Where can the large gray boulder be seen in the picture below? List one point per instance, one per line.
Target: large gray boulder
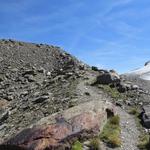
(106, 77)
(145, 116)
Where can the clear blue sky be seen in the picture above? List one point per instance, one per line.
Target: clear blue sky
(106, 33)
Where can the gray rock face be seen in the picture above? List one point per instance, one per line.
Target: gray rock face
(123, 87)
(106, 77)
(145, 116)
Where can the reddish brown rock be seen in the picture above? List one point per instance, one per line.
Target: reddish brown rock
(3, 103)
(42, 137)
(75, 123)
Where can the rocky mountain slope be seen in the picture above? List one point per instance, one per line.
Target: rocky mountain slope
(35, 81)
(50, 100)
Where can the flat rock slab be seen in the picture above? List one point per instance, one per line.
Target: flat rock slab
(60, 130)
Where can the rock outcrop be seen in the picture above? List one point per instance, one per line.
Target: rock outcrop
(60, 130)
(145, 116)
(107, 77)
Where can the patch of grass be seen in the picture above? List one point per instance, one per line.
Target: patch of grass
(115, 120)
(95, 144)
(113, 92)
(144, 142)
(77, 146)
(134, 111)
(92, 82)
(111, 132)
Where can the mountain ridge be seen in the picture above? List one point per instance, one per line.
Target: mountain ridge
(49, 99)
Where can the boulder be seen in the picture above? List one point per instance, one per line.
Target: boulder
(108, 78)
(94, 68)
(135, 87)
(40, 99)
(3, 115)
(145, 116)
(123, 87)
(60, 130)
(29, 72)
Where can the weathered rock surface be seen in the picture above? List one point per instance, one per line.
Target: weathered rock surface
(145, 116)
(60, 130)
(107, 77)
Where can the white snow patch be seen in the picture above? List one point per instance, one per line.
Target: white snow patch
(143, 73)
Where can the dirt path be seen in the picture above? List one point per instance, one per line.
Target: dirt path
(94, 93)
(129, 131)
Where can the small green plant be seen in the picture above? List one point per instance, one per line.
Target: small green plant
(92, 82)
(115, 120)
(111, 132)
(95, 144)
(77, 146)
(144, 142)
(134, 111)
(113, 92)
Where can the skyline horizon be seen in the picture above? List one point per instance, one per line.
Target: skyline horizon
(100, 67)
(108, 34)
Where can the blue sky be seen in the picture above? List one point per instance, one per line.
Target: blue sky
(106, 33)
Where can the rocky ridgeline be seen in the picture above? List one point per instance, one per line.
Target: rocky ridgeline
(33, 80)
